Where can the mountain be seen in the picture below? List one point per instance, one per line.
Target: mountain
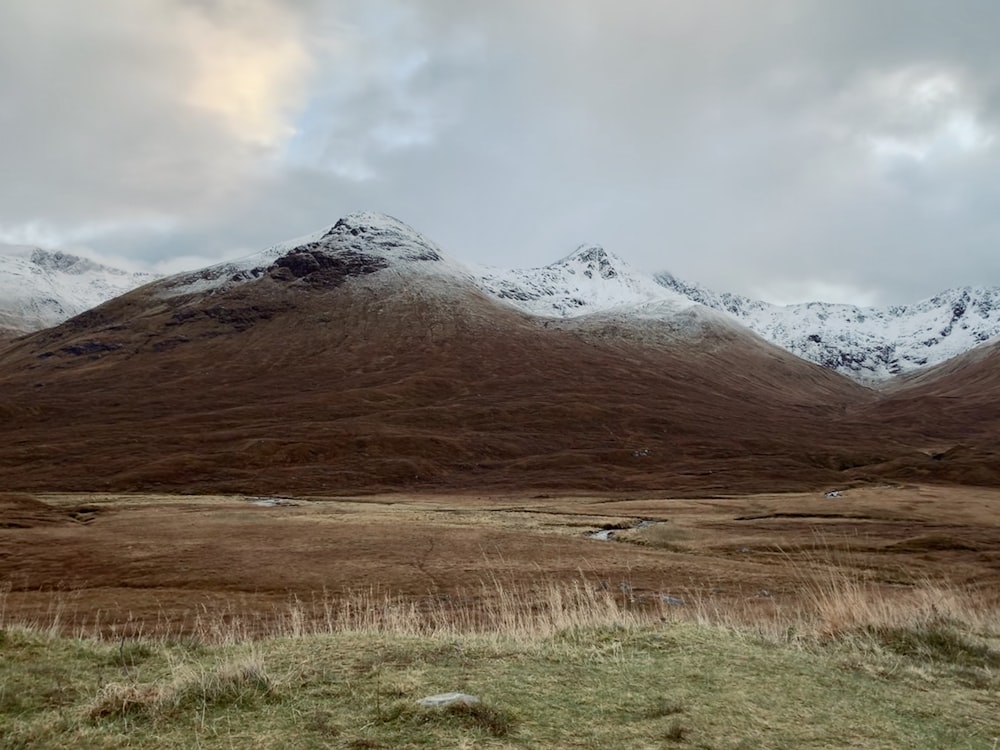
(586, 281)
(954, 407)
(362, 358)
(869, 344)
(41, 288)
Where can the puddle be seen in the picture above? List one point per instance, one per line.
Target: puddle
(606, 535)
(271, 502)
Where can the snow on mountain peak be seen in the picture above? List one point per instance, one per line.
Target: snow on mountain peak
(592, 261)
(41, 288)
(370, 232)
(66, 263)
(359, 244)
(869, 344)
(587, 281)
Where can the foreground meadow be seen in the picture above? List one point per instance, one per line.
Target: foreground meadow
(867, 618)
(578, 670)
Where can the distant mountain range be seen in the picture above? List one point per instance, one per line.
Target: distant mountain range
(869, 344)
(39, 289)
(42, 288)
(361, 357)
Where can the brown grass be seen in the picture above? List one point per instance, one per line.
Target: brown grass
(834, 609)
(144, 565)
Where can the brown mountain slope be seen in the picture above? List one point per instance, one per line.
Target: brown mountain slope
(335, 372)
(953, 412)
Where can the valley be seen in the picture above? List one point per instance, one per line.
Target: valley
(353, 411)
(349, 466)
(157, 564)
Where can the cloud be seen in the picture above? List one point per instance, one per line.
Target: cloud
(121, 110)
(782, 146)
(249, 68)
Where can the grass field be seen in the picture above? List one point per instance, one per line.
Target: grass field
(868, 620)
(591, 673)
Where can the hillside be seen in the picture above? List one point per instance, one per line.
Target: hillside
(361, 357)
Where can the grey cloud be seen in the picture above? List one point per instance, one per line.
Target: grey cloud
(90, 123)
(746, 146)
(98, 118)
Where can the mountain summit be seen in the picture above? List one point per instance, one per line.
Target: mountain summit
(359, 244)
(588, 280)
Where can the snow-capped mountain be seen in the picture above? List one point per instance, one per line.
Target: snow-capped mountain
(588, 280)
(362, 357)
(869, 344)
(41, 288)
(359, 244)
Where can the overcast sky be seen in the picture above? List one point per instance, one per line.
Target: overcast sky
(844, 150)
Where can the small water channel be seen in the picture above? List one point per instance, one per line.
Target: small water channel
(608, 533)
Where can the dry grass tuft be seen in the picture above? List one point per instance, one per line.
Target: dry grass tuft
(231, 683)
(122, 700)
(481, 716)
(831, 604)
(494, 608)
(676, 732)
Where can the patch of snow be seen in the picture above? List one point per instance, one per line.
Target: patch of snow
(606, 535)
(271, 502)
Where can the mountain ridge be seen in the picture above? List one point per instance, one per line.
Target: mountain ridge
(871, 345)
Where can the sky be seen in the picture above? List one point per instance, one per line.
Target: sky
(792, 150)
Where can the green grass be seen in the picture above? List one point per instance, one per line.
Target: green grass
(571, 666)
(639, 686)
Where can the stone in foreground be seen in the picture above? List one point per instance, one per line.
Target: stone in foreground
(447, 699)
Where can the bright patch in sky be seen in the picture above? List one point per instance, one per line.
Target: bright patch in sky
(252, 74)
(922, 115)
